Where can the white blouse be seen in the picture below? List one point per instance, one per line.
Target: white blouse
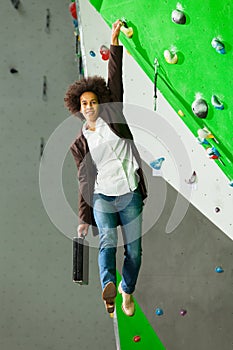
(114, 160)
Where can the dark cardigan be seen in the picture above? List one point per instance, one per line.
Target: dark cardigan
(112, 114)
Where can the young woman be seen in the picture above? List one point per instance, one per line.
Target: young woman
(111, 183)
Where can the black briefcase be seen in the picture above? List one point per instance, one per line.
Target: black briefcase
(80, 260)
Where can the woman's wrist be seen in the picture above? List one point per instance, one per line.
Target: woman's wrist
(115, 41)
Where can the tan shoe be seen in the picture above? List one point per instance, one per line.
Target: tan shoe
(109, 294)
(128, 303)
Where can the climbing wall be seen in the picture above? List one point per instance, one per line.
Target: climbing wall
(202, 70)
(184, 285)
(213, 198)
(41, 308)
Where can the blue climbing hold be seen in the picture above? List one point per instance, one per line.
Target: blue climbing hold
(75, 23)
(215, 151)
(92, 53)
(156, 164)
(231, 183)
(218, 45)
(212, 151)
(202, 141)
(216, 103)
(159, 312)
(219, 269)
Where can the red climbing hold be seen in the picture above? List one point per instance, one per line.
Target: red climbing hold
(137, 338)
(105, 52)
(72, 8)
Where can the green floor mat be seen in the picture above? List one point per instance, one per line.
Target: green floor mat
(137, 325)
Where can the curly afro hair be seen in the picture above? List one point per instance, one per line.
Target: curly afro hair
(94, 84)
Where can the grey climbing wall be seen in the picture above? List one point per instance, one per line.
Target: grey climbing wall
(178, 273)
(41, 308)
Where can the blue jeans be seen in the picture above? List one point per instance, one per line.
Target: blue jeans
(109, 212)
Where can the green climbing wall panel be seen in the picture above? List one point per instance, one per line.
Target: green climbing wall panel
(200, 68)
(138, 325)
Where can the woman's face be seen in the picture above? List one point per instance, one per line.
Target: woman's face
(89, 106)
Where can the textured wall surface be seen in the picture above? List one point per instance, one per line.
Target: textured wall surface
(41, 308)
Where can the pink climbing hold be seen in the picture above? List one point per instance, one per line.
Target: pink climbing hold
(183, 312)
